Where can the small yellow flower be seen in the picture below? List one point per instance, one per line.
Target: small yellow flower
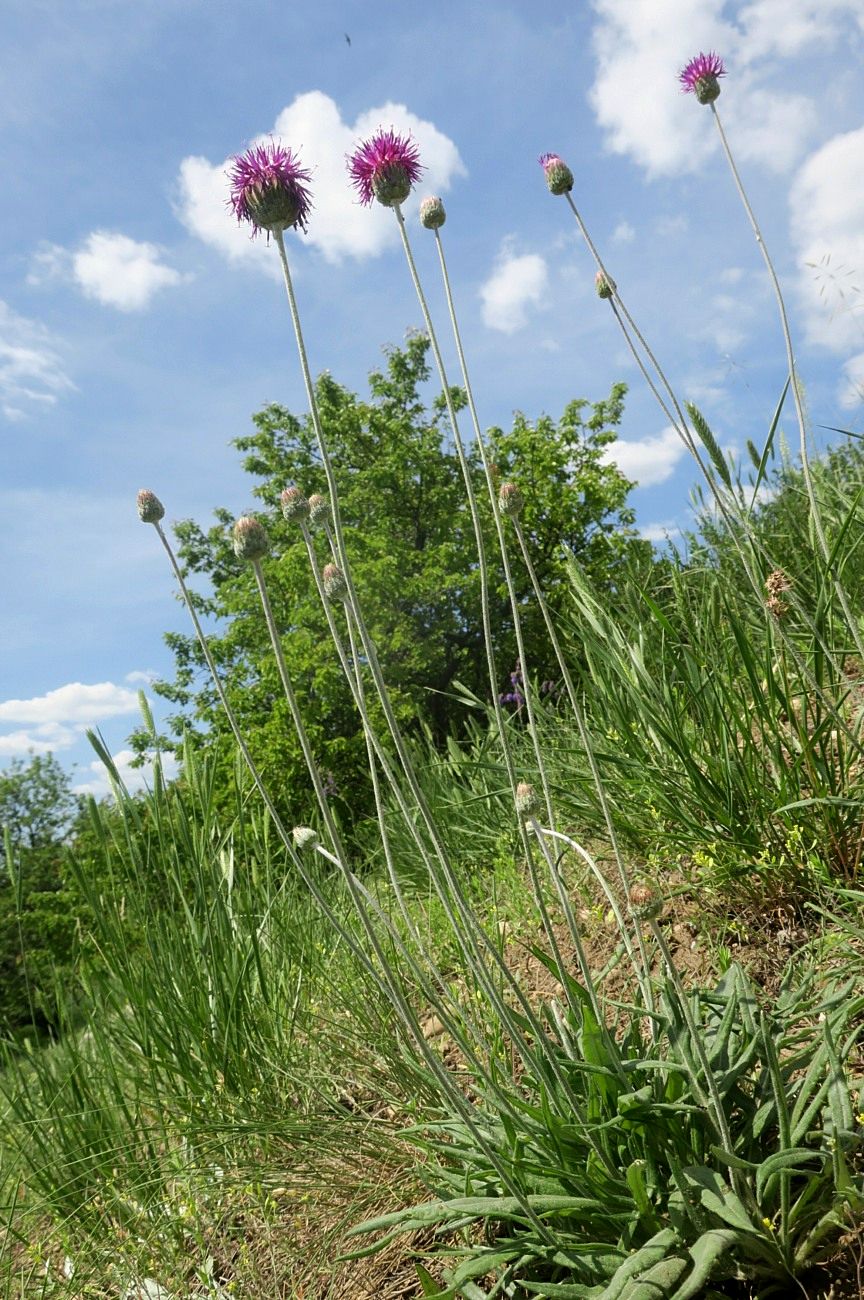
(766, 1223)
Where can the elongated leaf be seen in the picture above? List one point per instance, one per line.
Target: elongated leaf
(653, 1252)
(768, 449)
(705, 1252)
(656, 1282)
(796, 1158)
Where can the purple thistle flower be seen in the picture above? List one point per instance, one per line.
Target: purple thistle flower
(559, 177)
(385, 167)
(269, 188)
(699, 78)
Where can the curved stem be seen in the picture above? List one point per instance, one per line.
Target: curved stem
(815, 512)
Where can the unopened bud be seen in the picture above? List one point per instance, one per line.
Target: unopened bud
(295, 507)
(304, 838)
(150, 508)
(432, 214)
(558, 175)
(319, 510)
(644, 903)
(250, 539)
(333, 581)
(604, 286)
(527, 801)
(510, 500)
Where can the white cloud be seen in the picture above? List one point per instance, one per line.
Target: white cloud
(30, 368)
(659, 532)
(133, 778)
(826, 205)
(109, 267)
(74, 703)
(623, 233)
(312, 125)
(641, 46)
(143, 677)
(789, 27)
(851, 393)
(45, 739)
(121, 272)
(518, 282)
(647, 461)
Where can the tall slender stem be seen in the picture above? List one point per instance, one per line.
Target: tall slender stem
(296, 715)
(499, 529)
(815, 512)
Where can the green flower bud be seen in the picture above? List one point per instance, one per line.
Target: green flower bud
(250, 539)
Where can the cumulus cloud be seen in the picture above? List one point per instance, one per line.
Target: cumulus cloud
(108, 267)
(31, 373)
(45, 739)
(826, 207)
(74, 703)
(517, 283)
(133, 778)
(647, 461)
(312, 125)
(789, 27)
(641, 45)
(121, 272)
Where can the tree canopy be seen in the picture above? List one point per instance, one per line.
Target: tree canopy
(409, 535)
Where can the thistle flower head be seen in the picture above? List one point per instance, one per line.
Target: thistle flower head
(304, 838)
(699, 78)
(603, 285)
(269, 188)
(333, 581)
(385, 167)
(250, 539)
(558, 175)
(319, 510)
(150, 508)
(644, 903)
(527, 801)
(432, 214)
(295, 507)
(510, 500)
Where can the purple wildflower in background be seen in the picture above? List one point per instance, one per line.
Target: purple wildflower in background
(699, 78)
(385, 167)
(269, 188)
(514, 695)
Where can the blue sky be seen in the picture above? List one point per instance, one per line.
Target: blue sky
(140, 329)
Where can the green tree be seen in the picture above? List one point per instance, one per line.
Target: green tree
(414, 561)
(37, 923)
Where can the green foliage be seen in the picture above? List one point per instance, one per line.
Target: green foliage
(726, 1146)
(37, 923)
(409, 536)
